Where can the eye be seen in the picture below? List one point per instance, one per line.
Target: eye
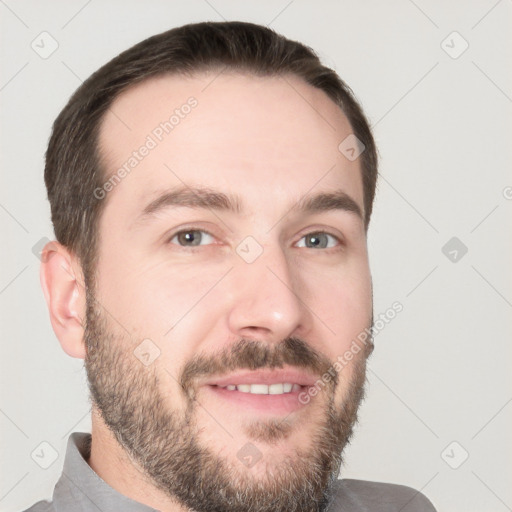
(191, 237)
(319, 240)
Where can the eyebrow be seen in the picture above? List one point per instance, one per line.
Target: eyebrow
(209, 199)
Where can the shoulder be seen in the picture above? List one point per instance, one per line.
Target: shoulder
(361, 495)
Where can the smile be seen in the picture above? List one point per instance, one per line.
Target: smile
(264, 389)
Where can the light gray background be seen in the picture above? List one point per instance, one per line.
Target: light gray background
(440, 372)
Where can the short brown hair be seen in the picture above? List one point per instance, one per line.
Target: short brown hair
(73, 169)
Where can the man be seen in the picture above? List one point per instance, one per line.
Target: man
(211, 190)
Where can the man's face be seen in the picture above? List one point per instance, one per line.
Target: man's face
(202, 317)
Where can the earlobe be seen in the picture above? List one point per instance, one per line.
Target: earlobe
(63, 288)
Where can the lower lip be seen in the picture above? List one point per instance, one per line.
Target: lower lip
(285, 403)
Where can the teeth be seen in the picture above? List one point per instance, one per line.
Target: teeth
(264, 389)
(259, 389)
(276, 389)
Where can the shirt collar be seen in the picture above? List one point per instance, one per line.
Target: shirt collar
(81, 489)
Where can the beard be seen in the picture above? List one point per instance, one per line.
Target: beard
(165, 444)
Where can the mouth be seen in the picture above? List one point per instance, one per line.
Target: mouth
(277, 388)
(275, 392)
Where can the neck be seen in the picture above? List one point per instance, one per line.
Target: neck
(114, 466)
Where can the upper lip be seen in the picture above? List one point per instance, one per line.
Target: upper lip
(291, 375)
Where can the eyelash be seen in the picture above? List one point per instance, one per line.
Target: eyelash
(193, 248)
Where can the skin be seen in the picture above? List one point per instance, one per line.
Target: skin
(271, 144)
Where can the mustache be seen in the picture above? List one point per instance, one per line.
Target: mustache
(255, 355)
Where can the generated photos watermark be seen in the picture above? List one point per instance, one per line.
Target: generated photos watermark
(153, 139)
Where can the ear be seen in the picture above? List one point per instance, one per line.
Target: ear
(64, 291)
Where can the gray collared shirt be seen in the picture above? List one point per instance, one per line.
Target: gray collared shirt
(80, 489)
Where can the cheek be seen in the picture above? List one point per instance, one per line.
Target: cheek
(172, 294)
(343, 304)
(147, 290)
(177, 307)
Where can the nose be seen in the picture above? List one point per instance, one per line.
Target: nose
(265, 300)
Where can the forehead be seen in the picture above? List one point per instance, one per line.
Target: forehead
(268, 139)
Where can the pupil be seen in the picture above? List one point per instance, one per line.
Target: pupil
(190, 237)
(315, 240)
